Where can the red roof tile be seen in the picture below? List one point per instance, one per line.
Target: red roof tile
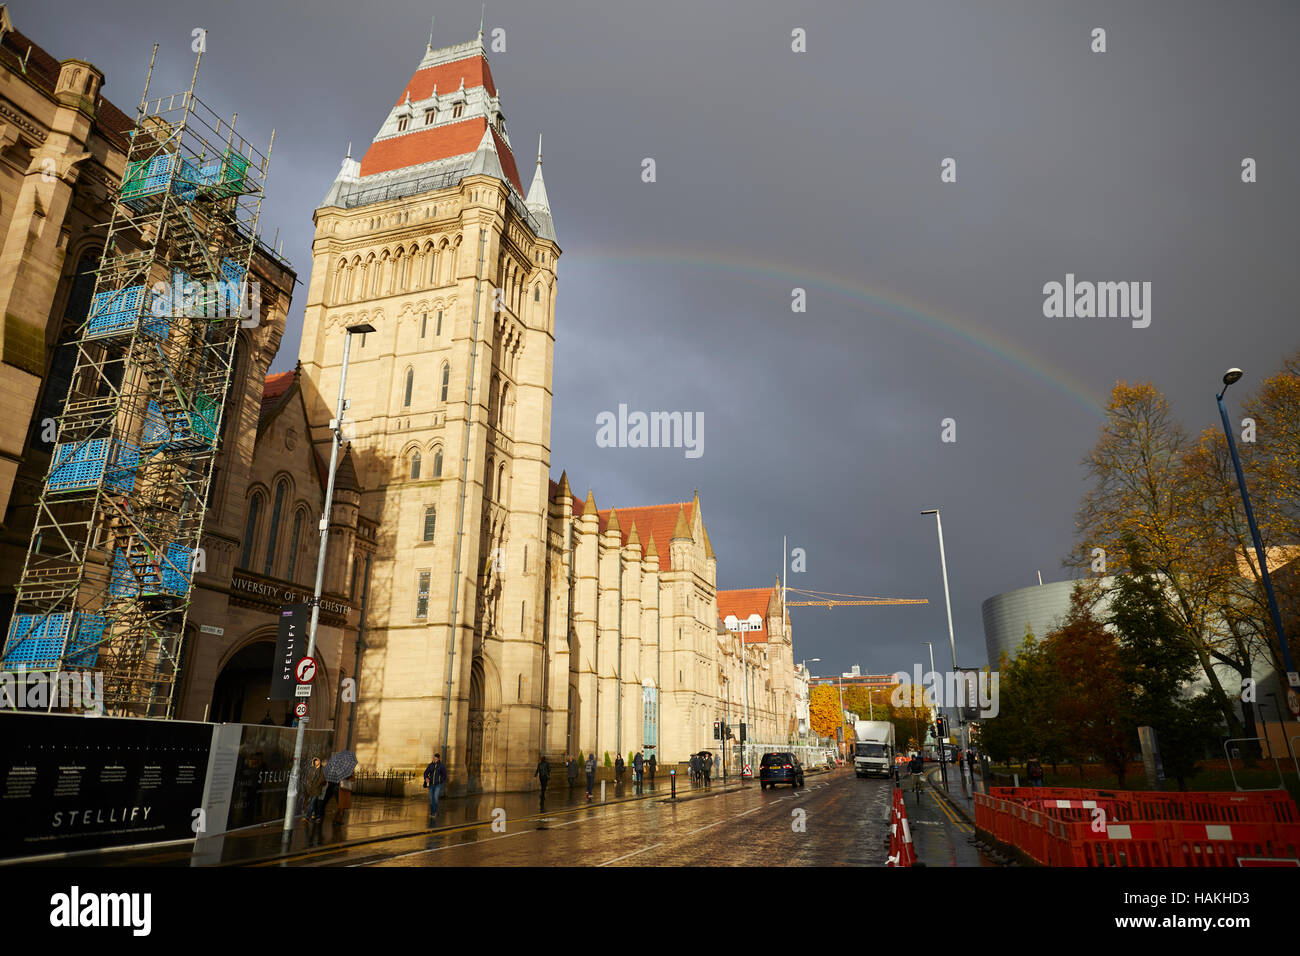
(430, 145)
(653, 521)
(447, 77)
(273, 389)
(743, 603)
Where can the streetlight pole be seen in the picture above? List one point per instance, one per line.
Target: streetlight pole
(1229, 377)
(943, 764)
(844, 737)
(947, 601)
(336, 431)
(804, 666)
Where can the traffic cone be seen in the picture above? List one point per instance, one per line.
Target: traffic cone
(901, 851)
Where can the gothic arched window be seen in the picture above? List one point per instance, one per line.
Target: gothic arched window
(410, 386)
(415, 465)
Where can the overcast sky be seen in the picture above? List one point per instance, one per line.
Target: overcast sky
(821, 170)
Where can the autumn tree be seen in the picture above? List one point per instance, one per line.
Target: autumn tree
(824, 710)
(1147, 507)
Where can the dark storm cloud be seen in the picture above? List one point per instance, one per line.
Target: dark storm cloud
(821, 170)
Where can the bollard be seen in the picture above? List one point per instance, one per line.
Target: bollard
(602, 791)
(672, 780)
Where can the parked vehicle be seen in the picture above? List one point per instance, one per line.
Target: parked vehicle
(874, 750)
(780, 767)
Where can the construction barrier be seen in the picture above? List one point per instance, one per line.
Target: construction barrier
(1115, 828)
(901, 851)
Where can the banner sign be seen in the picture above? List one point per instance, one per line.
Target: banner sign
(260, 782)
(78, 783)
(290, 645)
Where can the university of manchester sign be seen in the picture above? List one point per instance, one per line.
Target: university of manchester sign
(272, 593)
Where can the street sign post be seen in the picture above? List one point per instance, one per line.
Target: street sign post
(300, 709)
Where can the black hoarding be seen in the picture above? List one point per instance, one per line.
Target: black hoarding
(290, 647)
(77, 783)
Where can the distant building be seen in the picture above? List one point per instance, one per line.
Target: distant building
(1040, 608)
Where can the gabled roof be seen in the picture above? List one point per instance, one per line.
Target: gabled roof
(745, 602)
(274, 388)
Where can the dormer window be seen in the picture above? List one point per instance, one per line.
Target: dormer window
(401, 123)
(429, 116)
(457, 109)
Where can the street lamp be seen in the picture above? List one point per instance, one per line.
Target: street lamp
(952, 641)
(336, 431)
(943, 762)
(1229, 377)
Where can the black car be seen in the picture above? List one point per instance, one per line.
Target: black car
(780, 768)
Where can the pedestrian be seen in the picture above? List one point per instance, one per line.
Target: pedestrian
(970, 762)
(618, 770)
(543, 775)
(571, 769)
(591, 774)
(345, 799)
(653, 765)
(708, 770)
(695, 770)
(435, 777)
(313, 790)
(1034, 770)
(638, 767)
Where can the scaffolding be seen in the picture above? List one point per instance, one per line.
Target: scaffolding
(107, 581)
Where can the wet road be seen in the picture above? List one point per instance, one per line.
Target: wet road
(836, 820)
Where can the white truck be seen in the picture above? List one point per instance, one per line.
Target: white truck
(873, 751)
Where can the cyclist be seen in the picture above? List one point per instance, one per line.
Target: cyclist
(917, 768)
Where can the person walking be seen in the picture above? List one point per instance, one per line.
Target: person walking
(571, 769)
(591, 774)
(618, 770)
(435, 777)
(313, 790)
(638, 768)
(1034, 770)
(708, 770)
(695, 770)
(652, 765)
(543, 775)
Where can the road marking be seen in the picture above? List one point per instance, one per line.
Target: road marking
(709, 826)
(633, 853)
(748, 812)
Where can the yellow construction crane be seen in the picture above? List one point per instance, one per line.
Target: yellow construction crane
(828, 599)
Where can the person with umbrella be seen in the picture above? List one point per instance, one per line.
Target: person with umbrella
(435, 777)
(340, 767)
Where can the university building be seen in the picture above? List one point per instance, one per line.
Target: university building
(504, 616)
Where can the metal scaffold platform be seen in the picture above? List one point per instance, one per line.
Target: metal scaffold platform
(108, 577)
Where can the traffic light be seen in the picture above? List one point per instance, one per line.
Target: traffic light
(742, 731)
(941, 727)
(717, 730)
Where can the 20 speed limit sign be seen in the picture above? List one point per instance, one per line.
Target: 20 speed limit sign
(300, 710)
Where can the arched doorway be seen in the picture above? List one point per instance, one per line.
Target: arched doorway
(474, 740)
(240, 692)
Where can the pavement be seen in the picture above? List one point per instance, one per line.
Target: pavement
(374, 820)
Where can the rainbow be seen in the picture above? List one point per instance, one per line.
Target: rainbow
(949, 326)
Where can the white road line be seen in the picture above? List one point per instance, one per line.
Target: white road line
(633, 853)
(698, 829)
(748, 812)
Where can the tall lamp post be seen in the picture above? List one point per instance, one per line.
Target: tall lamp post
(947, 601)
(943, 763)
(336, 431)
(1229, 377)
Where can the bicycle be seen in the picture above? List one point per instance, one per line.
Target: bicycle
(917, 785)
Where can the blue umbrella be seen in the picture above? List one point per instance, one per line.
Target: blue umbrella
(340, 766)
